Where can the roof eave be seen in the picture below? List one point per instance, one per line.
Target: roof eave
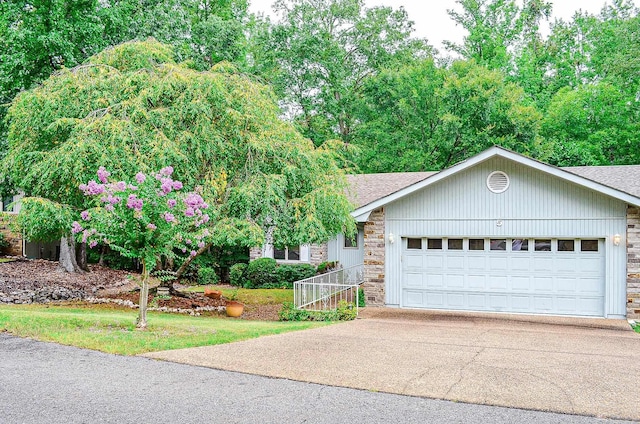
(496, 151)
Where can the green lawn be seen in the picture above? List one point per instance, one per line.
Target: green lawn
(636, 328)
(3, 260)
(251, 296)
(113, 331)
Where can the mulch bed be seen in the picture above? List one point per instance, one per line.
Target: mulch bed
(104, 282)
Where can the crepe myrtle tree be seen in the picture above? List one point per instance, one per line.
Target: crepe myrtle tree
(143, 219)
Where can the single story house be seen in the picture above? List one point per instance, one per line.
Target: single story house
(498, 232)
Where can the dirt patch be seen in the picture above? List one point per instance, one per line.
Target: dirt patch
(102, 282)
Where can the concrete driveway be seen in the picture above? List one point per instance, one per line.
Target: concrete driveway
(562, 365)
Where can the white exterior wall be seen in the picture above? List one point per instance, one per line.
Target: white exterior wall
(535, 205)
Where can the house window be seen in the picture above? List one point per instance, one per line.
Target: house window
(414, 243)
(351, 242)
(294, 253)
(6, 201)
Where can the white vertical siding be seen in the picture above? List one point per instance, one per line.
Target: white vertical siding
(535, 205)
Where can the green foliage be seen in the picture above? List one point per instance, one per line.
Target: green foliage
(43, 220)
(207, 275)
(344, 312)
(261, 273)
(218, 128)
(237, 274)
(319, 53)
(421, 117)
(361, 298)
(287, 274)
(3, 242)
(328, 266)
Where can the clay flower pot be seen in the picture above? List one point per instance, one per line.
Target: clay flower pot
(234, 309)
(213, 294)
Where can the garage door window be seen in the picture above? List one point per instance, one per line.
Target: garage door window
(520, 245)
(498, 244)
(434, 244)
(454, 244)
(476, 244)
(589, 245)
(414, 243)
(542, 245)
(566, 245)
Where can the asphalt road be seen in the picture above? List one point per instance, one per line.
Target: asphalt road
(50, 383)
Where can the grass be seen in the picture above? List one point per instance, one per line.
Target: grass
(636, 328)
(113, 331)
(251, 296)
(3, 260)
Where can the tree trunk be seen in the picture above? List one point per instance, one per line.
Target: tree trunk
(81, 257)
(68, 254)
(190, 259)
(103, 250)
(141, 323)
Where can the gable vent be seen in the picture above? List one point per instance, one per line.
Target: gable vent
(498, 182)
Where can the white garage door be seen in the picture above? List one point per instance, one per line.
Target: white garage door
(536, 276)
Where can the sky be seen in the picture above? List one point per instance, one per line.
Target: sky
(432, 22)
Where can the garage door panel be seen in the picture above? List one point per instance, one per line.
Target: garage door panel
(455, 262)
(413, 261)
(435, 281)
(435, 262)
(477, 263)
(545, 282)
(455, 281)
(413, 280)
(499, 283)
(520, 263)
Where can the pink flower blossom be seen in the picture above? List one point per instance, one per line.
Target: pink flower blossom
(171, 203)
(169, 217)
(76, 227)
(187, 241)
(188, 212)
(93, 188)
(193, 253)
(151, 226)
(109, 207)
(177, 185)
(120, 186)
(103, 174)
(84, 215)
(201, 245)
(134, 203)
(140, 177)
(93, 244)
(166, 186)
(167, 170)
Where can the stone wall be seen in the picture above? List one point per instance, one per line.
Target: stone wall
(318, 253)
(374, 258)
(14, 240)
(633, 262)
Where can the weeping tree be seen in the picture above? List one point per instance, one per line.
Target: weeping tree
(133, 109)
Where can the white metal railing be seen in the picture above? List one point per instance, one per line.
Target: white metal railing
(323, 292)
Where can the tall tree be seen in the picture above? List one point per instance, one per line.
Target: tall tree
(132, 108)
(422, 117)
(320, 53)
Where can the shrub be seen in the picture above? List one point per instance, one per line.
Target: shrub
(345, 312)
(207, 275)
(361, 298)
(288, 274)
(324, 267)
(237, 274)
(261, 272)
(3, 241)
